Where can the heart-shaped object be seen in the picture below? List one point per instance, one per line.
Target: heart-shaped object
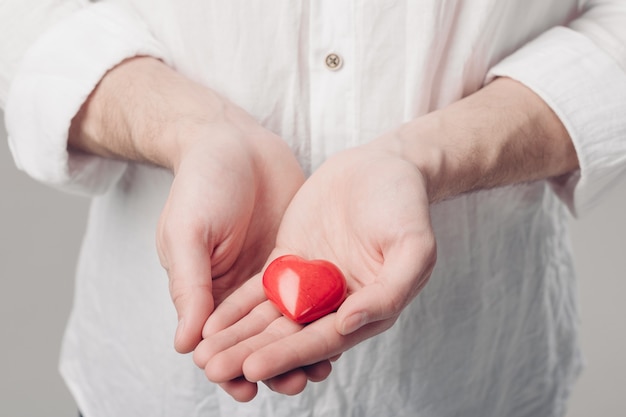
(304, 290)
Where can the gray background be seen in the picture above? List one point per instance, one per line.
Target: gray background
(41, 230)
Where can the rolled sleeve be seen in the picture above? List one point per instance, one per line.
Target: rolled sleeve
(586, 87)
(54, 79)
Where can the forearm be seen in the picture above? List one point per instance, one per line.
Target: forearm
(144, 111)
(502, 134)
(125, 115)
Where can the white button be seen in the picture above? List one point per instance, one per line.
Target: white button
(333, 61)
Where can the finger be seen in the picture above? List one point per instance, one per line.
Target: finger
(228, 364)
(405, 271)
(240, 389)
(251, 325)
(290, 383)
(236, 306)
(240, 302)
(294, 382)
(184, 252)
(314, 343)
(318, 371)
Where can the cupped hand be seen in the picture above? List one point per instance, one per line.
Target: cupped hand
(367, 210)
(232, 184)
(232, 181)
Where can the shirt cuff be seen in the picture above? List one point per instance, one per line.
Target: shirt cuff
(55, 78)
(586, 88)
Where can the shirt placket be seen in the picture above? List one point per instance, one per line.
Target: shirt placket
(331, 63)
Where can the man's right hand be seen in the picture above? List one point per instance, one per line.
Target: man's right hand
(233, 179)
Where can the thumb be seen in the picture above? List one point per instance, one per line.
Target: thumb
(194, 303)
(190, 284)
(400, 279)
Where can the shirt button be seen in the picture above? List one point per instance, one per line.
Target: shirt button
(333, 62)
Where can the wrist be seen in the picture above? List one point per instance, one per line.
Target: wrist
(144, 111)
(501, 135)
(418, 142)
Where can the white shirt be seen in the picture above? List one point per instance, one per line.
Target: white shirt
(494, 333)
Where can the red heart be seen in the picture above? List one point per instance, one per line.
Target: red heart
(304, 290)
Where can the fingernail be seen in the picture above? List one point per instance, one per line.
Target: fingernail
(353, 323)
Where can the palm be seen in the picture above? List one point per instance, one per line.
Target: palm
(366, 211)
(352, 211)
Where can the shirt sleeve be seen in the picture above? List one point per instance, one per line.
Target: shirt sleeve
(53, 79)
(21, 22)
(580, 72)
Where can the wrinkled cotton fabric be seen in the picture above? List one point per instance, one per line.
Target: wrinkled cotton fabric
(494, 333)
